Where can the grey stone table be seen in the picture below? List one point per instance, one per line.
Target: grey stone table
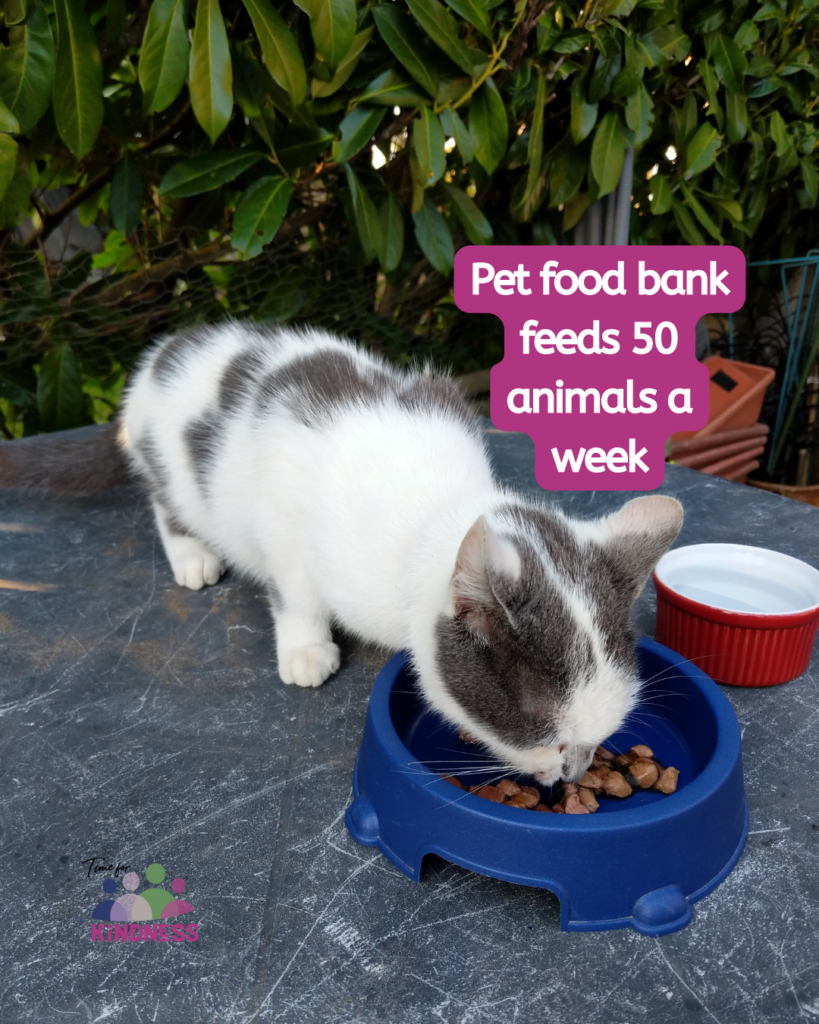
(143, 723)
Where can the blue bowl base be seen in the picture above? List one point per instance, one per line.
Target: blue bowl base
(656, 913)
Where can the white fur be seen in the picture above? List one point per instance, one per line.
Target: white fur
(357, 522)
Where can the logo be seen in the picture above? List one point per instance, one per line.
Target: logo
(155, 905)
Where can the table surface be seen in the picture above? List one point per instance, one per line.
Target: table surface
(145, 723)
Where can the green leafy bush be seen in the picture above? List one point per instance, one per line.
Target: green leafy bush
(324, 160)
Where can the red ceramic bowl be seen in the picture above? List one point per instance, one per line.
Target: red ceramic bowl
(745, 616)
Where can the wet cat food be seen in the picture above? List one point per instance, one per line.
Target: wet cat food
(610, 775)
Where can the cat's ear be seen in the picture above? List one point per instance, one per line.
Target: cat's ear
(483, 553)
(639, 534)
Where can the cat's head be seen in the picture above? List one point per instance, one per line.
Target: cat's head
(536, 658)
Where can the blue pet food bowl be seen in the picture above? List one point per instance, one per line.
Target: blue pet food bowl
(640, 862)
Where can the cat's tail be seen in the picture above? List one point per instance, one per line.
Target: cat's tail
(87, 460)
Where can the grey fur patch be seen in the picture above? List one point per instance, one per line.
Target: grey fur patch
(312, 386)
(316, 386)
(517, 677)
(176, 350)
(202, 441)
(175, 525)
(428, 393)
(152, 472)
(240, 374)
(610, 577)
(274, 597)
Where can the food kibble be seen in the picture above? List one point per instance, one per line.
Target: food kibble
(610, 775)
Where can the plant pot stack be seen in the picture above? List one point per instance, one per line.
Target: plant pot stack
(732, 441)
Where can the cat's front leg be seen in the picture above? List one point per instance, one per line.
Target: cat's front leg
(192, 563)
(304, 646)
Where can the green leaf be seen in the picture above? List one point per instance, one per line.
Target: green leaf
(418, 183)
(811, 179)
(115, 19)
(345, 68)
(628, 80)
(584, 114)
(126, 196)
(477, 227)
(567, 173)
(488, 127)
(27, 68)
(259, 214)
(729, 61)
(392, 234)
(606, 69)
(672, 42)
(525, 202)
(442, 29)
(548, 32)
(357, 128)
(433, 237)
(332, 23)
(666, 43)
(475, 13)
(770, 12)
(59, 389)
(407, 44)
(428, 140)
(455, 129)
(661, 197)
(607, 154)
(367, 221)
(685, 222)
(16, 202)
(761, 67)
(8, 122)
(211, 70)
(572, 41)
(709, 19)
(700, 213)
(8, 162)
(728, 206)
(16, 393)
(535, 149)
(763, 87)
(746, 35)
(251, 88)
(282, 56)
(779, 134)
(163, 61)
(640, 115)
(298, 146)
(77, 92)
(684, 120)
(736, 116)
(394, 89)
(15, 12)
(574, 209)
(702, 150)
(206, 172)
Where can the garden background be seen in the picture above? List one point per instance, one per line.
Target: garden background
(171, 163)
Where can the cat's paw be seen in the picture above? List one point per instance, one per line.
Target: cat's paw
(193, 564)
(310, 665)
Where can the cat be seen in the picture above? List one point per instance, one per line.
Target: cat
(361, 495)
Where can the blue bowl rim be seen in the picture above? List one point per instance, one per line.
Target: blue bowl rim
(694, 793)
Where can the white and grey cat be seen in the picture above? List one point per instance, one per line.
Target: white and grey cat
(362, 495)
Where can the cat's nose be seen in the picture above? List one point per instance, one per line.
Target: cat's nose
(576, 763)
